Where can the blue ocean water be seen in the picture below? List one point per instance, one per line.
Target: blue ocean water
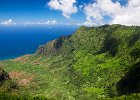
(16, 41)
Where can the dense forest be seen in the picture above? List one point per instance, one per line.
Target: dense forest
(95, 63)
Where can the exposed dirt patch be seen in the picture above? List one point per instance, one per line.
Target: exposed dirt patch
(16, 75)
(22, 58)
(22, 78)
(26, 81)
(18, 59)
(36, 62)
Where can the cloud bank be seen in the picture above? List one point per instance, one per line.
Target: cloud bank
(49, 22)
(67, 7)
(118, 14)
(8, 22)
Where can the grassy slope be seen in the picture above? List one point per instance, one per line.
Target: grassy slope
(99, 62)
(44, 83)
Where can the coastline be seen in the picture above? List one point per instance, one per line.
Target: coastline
(14, 57)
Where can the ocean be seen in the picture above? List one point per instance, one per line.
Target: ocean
(16, 41)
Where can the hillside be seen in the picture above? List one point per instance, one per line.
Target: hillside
(94, 63)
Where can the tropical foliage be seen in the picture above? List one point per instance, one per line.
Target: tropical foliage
(93, 63)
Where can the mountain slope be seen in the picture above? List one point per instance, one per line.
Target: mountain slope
(98, 62)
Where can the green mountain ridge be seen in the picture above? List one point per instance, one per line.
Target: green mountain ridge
(94, 63)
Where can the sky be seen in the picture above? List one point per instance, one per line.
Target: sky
(69, 12)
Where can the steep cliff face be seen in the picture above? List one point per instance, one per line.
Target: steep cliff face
(52, 47)
(107, 38)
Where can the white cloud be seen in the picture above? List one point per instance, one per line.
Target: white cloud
(8, 22)
(49, 22)
(67, 7)
(126, 15)
(93, 14)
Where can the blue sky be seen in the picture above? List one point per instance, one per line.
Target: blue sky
(32, 10)
(88, 12)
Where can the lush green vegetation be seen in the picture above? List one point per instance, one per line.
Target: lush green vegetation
(94, 63)
(7, 96)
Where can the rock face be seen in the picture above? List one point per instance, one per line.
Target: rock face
(52, 47)
(41, 50)
(3, 76)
